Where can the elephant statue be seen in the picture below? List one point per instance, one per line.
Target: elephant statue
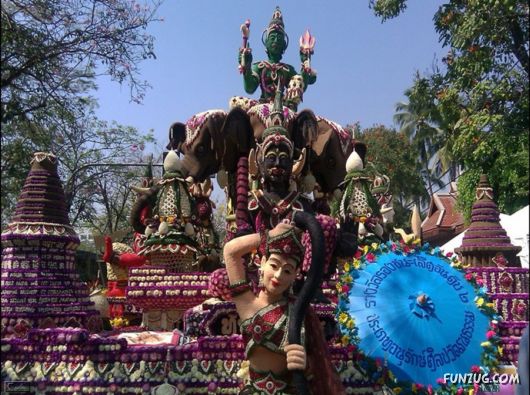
(216, 139)
(329, 153)
(328, 143)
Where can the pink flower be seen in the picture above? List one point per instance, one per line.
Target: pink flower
(460, 391)
(357, 254)
(370, 257)
(345, 289)
(429, 389)
(490, 334)
(469, 276)
(475, 369)
(440, 381)
(449, 254)
(419, 386)
(480, 281)
(393, 247)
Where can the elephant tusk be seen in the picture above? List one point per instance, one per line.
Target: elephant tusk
(140, 189)
(252, 164)
(299, 164)
(207, 184)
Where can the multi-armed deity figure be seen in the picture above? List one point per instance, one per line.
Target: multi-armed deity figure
(272, 75)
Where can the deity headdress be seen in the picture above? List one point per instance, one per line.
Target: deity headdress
(287, 243)
(275, 133)
(275, 25)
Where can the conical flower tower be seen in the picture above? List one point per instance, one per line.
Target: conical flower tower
(40, 285)
(486, 238)
(490, 256)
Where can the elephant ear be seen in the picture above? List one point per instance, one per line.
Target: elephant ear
(238, 137)
(360, 148)
(304, 129)
(177, 135)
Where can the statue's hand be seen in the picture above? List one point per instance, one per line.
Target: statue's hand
(246, 55)
(304, 56)
(306, 68)
(296, 357)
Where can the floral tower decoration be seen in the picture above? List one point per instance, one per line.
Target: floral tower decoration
(485, 238)
(40, 285)
(490, 258)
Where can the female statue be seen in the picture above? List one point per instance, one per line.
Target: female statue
(269, 319)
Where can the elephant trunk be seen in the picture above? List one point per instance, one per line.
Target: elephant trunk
(242, 217)
(313, 281)
(143, 200)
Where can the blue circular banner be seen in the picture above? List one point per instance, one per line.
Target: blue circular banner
(419, 314)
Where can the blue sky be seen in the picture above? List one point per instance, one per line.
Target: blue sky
(363, 66)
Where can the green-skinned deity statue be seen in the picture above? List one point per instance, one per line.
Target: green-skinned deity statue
(272, 74)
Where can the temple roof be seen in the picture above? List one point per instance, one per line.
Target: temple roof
(443, 220)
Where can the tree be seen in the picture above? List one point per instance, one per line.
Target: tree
(51, 51)
(219, 219)
(482, 93)
(418, 120)
(49, 46)
(80, 145)
(391, 153)
(114, 198)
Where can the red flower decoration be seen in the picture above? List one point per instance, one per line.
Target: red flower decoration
(370, 257)
(490, 334)
(469, 276)
(475, 369)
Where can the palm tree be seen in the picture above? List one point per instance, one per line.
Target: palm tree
(421, 122)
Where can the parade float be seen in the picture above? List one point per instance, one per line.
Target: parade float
(374, 297)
